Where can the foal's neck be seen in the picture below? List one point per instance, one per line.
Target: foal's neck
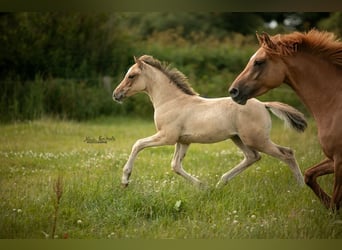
(161, 90)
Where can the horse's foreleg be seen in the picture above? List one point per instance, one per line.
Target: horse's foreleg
(337, 192)
(311, 174)
(176, 164)
(152, 141)
(251, 156)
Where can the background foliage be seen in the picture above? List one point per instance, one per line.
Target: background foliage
(58, 64)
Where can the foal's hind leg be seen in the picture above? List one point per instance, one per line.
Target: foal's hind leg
(286, 155)
(251, 156)
(176, 164)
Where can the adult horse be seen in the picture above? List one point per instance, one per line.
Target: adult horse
(182, 117)
(310, 63)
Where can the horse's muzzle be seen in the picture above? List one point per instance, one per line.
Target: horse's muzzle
(237, 97)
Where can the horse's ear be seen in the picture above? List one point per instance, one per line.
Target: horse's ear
(260, 38)
(267, 40)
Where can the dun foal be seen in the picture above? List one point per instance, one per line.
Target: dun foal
(182, 117)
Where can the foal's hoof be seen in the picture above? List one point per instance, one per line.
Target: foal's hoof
(220, 184)
(124, 185)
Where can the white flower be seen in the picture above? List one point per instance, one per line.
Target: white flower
(235, 222)
(79, 222)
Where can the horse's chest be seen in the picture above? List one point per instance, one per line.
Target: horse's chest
(330, 136)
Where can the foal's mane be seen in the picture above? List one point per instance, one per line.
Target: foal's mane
(176, 77)
(322, 44)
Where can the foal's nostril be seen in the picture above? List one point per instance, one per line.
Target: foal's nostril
(118, 96)
(234, 92)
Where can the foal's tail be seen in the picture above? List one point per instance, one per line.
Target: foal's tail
(288, 114)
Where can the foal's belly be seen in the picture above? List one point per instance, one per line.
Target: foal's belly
(205, 136)
(187, 139)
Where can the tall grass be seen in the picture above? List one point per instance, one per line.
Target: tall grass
(262, 202)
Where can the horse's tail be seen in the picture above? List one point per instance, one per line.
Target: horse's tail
(288, 114)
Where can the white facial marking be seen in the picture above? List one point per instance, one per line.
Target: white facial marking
(129, 71)
(254, 55)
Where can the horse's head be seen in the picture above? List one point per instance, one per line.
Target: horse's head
(264, 71)
(132, 83)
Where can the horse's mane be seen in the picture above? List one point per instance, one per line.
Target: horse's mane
(176, 77)
(322, 44)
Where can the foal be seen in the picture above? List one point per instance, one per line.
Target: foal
(182, 117)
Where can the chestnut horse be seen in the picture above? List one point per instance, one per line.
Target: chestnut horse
(182, 117)
(310, 63)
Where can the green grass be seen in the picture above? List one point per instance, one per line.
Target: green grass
(262, 202)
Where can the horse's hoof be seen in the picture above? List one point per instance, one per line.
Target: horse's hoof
(124, 185)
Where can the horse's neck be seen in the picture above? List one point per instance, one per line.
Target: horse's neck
(316, 82)
(161, 90)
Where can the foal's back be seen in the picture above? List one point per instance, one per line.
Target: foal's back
(208, 120)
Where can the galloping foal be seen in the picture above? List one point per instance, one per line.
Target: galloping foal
(182, 117)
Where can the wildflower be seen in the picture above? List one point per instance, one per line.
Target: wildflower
(79, 222)
(253, 216)
(177, 205)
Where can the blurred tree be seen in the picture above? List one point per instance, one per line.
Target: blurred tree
(332, 23)
(64, 45)
(210, 23)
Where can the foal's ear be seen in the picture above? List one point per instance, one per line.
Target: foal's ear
(139, 62)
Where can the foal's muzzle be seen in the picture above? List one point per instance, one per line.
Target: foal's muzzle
(118, 97)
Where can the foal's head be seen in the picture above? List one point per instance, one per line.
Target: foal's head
(264, 71)
(132, 83)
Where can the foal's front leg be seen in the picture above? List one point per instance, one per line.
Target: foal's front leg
(152, 141)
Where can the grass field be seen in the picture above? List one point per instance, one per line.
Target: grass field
(55, 183)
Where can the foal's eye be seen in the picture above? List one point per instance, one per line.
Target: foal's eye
(259, 62)
(131, 76)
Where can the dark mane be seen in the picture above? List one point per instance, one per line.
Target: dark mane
(322, 44)
(176, 77)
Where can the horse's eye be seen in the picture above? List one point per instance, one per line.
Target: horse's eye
(131, 76)
(259, 62)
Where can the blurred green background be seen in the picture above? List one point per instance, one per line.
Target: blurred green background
(66, 64)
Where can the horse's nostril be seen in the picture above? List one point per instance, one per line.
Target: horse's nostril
(234, 92)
